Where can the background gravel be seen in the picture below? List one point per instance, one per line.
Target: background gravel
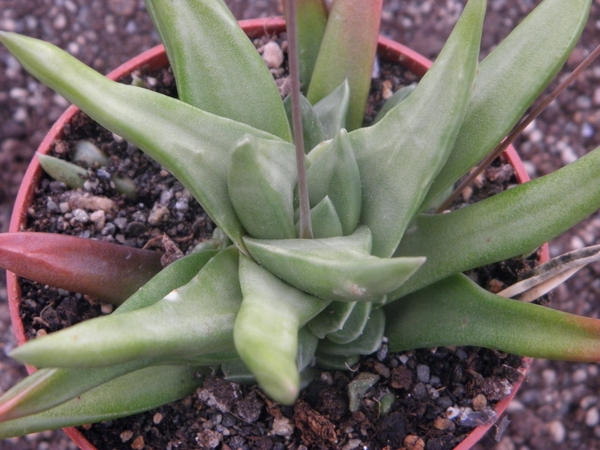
(558, 407)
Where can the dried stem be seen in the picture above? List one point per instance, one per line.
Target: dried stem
(305, 223)
(518, 129)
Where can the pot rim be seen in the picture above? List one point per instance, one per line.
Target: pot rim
(156, 58)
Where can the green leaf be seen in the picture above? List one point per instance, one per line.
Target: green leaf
(333, 109)
(266, 329)
(192, 144)
(368, 342)
(394, 100)
(508, 224)
(68, 173)
(48, 387)
(334, 173)
(354, 326)
(347, 52)
(332, 318)
(334, 362)
(312, 130)
(311, 23)
(399, 157)
(337, 269)
(325, 221)
(455, 311)
(120, 397)
(205, 308)
(216, 67)
(510, 79)
(307, 346)
(261, 180)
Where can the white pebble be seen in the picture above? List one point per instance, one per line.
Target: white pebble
(579, 376)
(272, 55)
(592, 417)
(80, 216)
(557, 431)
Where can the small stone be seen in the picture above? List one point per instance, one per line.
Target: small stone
(557, 431)
(592, 417)
(158, 214)
(108, 230)
(579, 376)
(138, 443)
(443, 424)
(423, 373)
(412, 442)
(352, 444)
(99, 219)
(106, 308)
(272, 55)
(282, 427)
(126, 435)
(479, 402)
(80, 216)
(157, 418)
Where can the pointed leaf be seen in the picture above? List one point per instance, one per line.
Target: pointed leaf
(399, 157)
(508, 224)
(456, 311)
(368, 342)
(221, 73)
(121, 397)
(354, 326)
(332, 318)
(510, 79)
(347, 52)
(192, 144)
(68, 173)
(205, 308)
(266, 329)
(261, 180)
(109, 272)
(325, 221)
(311, 23)
(307, 346)
(335, 269)
(312, 130)
(335, 174)
(333, 109)
(551, 274)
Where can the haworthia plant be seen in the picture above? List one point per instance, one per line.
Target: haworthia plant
(264, 303)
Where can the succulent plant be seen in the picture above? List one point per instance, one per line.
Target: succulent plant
(332, 245)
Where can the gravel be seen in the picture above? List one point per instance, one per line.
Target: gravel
(558, 406)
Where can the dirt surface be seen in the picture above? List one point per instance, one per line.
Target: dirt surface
(558, 407)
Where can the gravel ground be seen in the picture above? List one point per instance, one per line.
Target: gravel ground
(558, 407)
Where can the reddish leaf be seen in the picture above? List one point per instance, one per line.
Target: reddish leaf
(109, 272)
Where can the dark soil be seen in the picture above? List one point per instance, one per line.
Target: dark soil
(558, 407)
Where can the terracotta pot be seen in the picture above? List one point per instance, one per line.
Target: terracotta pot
(156, 58)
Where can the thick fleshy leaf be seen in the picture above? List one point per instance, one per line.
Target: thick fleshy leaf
(333, 109)
(394, 100)
(336, 362)
(325, 221)
(307, 346)
(399, 157)
(508, 224)
(266, 329)
(48, 387)
(335, 174)
(216, 67)
(68, 173)
(510, 79)
(354, 326)
(347, 52)
(312, 131)
(109, 272)
(261, 180)
(455, 311)
(205, 308)
(337, 269)
(311, 22)
(130, 394)
(192, 144)
(368, 342)
(331, 319)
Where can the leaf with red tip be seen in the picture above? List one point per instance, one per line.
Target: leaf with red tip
(109, 272)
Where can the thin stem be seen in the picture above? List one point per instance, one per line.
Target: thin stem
(305, 223)
(518, 129)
